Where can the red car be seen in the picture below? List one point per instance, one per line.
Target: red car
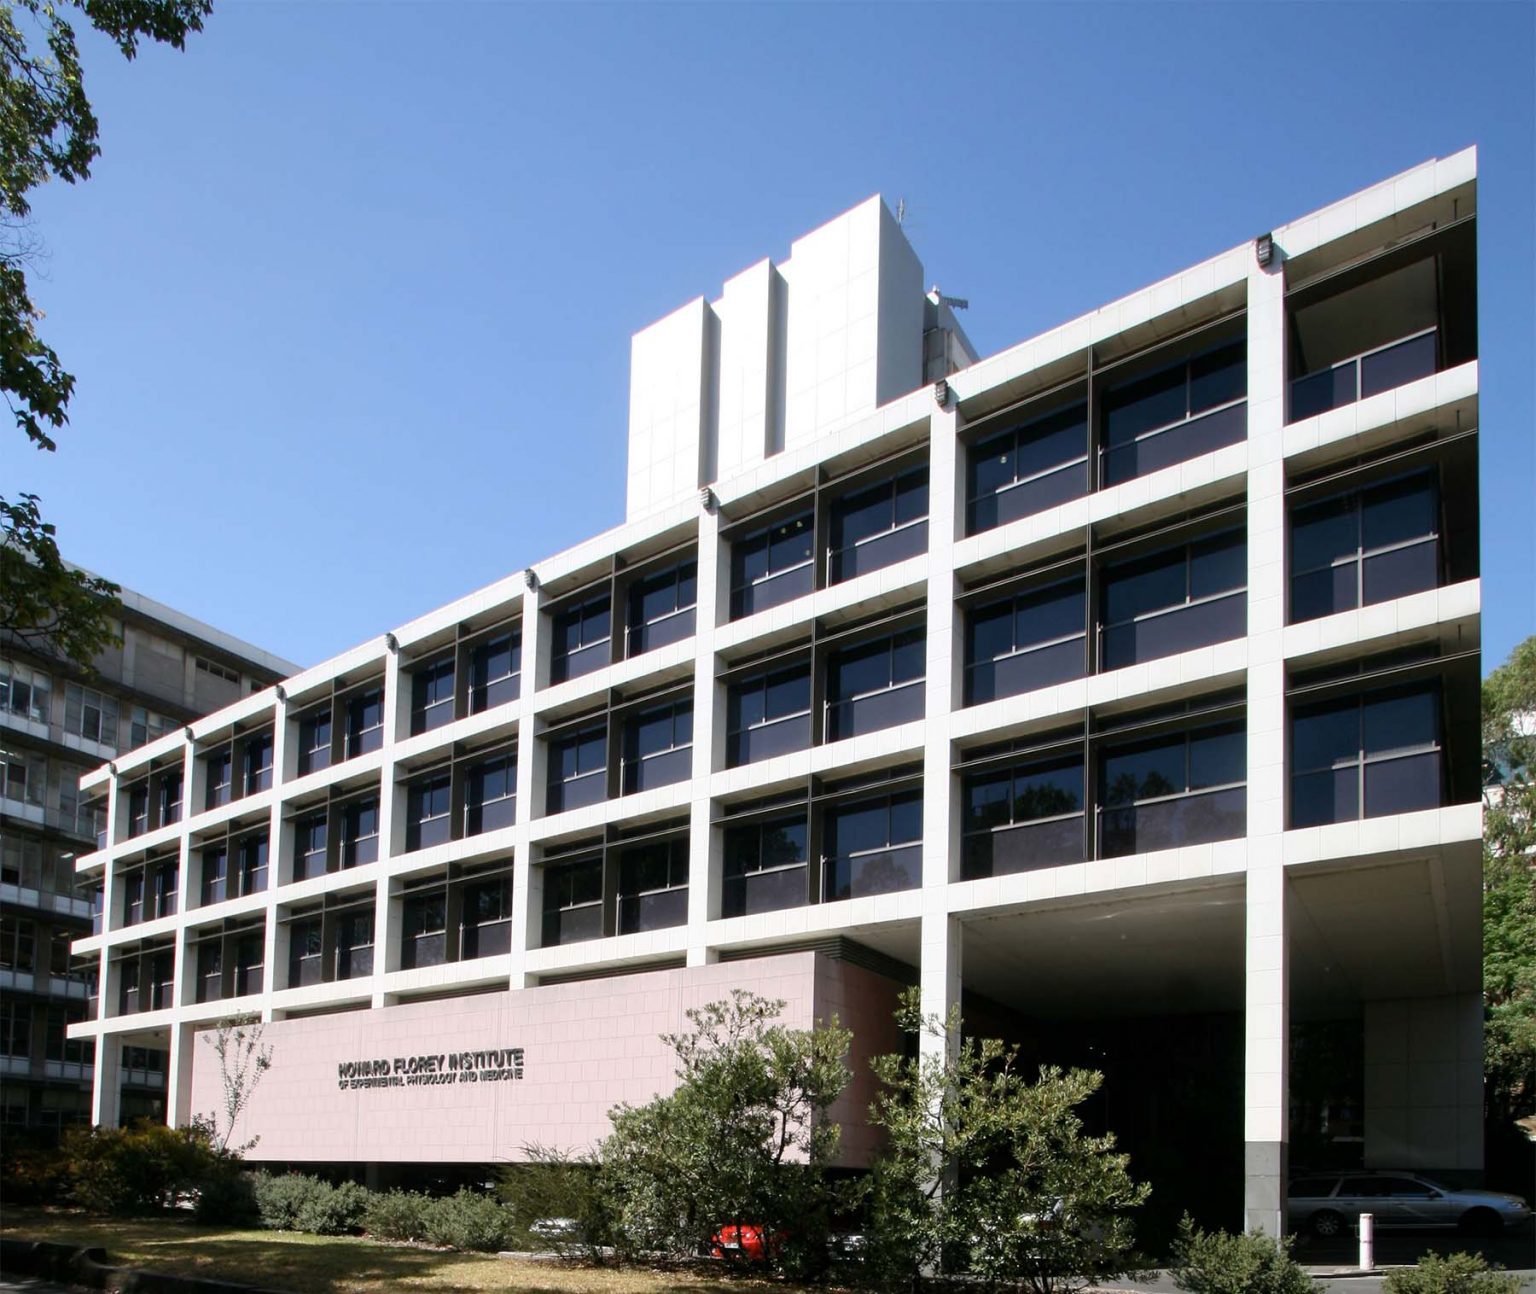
(747, 1242)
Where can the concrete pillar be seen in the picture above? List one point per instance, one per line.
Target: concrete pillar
(940, 820)
(279, 844)
(708, 734)
(385, 935)
(106, 1081)
(1266, 1130)
(178, 1077)
(530, 794)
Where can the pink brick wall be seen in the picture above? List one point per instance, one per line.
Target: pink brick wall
(587, 1046)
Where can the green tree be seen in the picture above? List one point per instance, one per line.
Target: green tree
(987, 1170)
(48, 131)
(243, 1059)
(743, 1139)
(1509, 884)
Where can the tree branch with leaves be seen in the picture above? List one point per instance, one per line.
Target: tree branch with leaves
(49, 131)
(243, 1059)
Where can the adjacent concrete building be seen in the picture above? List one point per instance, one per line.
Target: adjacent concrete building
(1121, 686)
(57, 723)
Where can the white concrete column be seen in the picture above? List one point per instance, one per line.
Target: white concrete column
(940, 835)
(1266, 1130)
(178, 1075)
(108, 892)
(277, 847)
(385, 933)
(106, 1081)
(703, 853)
(530, 778)
(939, 969)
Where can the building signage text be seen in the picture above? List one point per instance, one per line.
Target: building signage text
(499, 1065)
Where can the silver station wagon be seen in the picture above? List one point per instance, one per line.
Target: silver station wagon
(1328, 1203)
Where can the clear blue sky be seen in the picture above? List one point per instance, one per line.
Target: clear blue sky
(349, 295)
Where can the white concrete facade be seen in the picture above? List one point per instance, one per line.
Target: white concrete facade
(797, 379)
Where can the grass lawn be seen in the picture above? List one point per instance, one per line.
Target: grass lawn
(304, 1264)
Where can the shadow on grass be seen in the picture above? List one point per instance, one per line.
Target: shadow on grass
(305, 1264)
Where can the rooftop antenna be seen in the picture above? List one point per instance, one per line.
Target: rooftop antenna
(901, 211)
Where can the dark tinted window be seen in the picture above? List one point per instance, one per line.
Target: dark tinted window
(1370, 755)
(658, 746)
(432, 695)
(1025, 469)
(874, 846)
(653, 886)
(1029, 640)
(578, 769)
(772, 565)
(494, 670)
(429, 809)
(1368, 546)
(768, 714)
(875, 684)
(490, 794)
(660, 608)
(764, 866)
(1177, 789)
(1174, 600)
(315, 740)
(581, 637)
(878, 524)
(573, 902)
(365, 722)
(1158, 419)
(1023, 817)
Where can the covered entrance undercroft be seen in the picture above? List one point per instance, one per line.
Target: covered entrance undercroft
(1384, 1053)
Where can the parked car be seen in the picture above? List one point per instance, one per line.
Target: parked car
(748, 1242)
(555, 1230)
(1327, 1203)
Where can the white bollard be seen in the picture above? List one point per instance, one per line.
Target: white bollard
(1367, 1242)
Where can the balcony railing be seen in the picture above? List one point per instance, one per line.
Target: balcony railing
(1174, 629)
(780, 736)
(1175, 443)
(1044, 842)
(1191, 819)
(768, 890)
(573, 925)
(876, 871)
(885, 708)
(656, 910)
(1368, 373)
(876, 551)
(1035, 666)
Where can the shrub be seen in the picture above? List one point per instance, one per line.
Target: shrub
(1453, 1274)
(136, 1169)
(279, 1197)
(1217, 1263)
(226, 1198)
(559, 1188)
(32, 1171)
(468, 1220)
(332, 1210)
(397, 1215)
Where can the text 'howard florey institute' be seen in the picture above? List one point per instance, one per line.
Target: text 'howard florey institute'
(497, 1065)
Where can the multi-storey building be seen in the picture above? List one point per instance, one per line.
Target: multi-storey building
(58, 723)
(1122, 684)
